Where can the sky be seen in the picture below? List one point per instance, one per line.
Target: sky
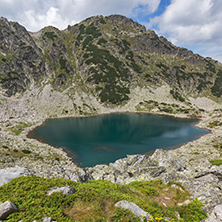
(193, 24)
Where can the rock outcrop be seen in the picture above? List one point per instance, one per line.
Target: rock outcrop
(216, 215)
(46, 219)
(66, 190)
(9, 173)
(6, 209)
(134, 209)
(194, 171)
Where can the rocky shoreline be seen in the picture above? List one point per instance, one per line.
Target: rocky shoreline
(188, 164)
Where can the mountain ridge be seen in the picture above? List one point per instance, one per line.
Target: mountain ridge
(106, 57)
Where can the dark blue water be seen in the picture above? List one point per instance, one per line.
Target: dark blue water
(105, 138)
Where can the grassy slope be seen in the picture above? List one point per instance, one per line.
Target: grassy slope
(94, 201)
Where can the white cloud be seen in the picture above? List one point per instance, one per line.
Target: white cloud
(35, 14)
(51, 17)
(192, 22)
(184, 22)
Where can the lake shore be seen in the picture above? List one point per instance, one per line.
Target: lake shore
(7, 139)
(123, 133)
(46, 161)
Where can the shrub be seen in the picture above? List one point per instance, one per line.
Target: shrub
(93, 201)
(26, 151)
(216, 162)
(50, 35)
(214, 124)
(192, 212)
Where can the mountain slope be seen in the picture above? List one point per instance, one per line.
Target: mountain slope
(104, 58)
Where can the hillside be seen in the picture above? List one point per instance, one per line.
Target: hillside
(103, 62)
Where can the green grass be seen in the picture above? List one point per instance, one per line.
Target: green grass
(19, 128)
(216, 162)
(95, 200)
(214, 124)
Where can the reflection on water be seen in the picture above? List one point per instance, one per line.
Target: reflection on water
(105, 138)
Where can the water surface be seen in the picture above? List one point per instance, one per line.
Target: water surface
(105, 138)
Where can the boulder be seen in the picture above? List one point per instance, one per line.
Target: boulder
(48, 219)
(80, 175)
(66, 190)
(133, 208)
(216, 215)
(9, 173)
(6, 209)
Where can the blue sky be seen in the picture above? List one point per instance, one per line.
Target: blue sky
(193, 24)
(144, 17)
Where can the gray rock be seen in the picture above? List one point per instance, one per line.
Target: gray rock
(48, 219)
(6, 209)
(216, 215)
(133, 208)
(207, 189)
(81, 175)
(66, 190)
(177, 215)
(7, 174)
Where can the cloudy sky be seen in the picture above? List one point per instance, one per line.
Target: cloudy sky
(193, 24)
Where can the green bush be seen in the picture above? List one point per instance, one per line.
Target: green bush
(93, 201)
(217, 88)
(192, 212)
(216, 162)
(26, 151)
(102, 21)
(50, 35)
(214, 124)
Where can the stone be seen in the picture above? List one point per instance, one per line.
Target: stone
(81, 175)
(66, 190)
(6, 209)
(216, 215)
(177, 215)
(48, 219)
(133, 208)
(9, 173)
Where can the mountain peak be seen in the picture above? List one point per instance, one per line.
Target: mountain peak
(110, 55)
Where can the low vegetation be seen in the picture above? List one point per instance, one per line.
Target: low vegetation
(215, 123)
(95, 200)
(216, 162)
(17, 129)
(151, 105)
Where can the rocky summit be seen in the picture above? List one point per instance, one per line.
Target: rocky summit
(103, 65)
(105, 59)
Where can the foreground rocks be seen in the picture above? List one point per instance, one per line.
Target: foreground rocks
(188, 165)
(216, 215)
(136, 210)
(66, 190)
(9, 173)
(6, 209)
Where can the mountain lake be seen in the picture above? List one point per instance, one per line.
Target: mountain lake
(102, 139)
